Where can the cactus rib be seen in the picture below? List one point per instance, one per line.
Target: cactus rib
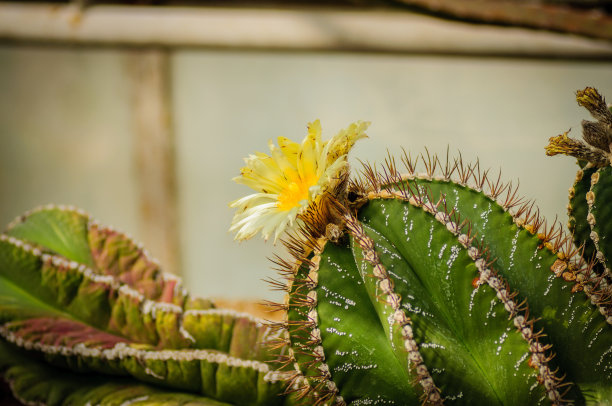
(121, 351)
(431, 393)
(309, 304)
(566, 271)
(124, 297)
(33, 382)
(105, 250)
(324, 387)
(597, 210)
(127, 319)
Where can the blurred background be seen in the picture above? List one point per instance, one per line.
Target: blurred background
(141, 112)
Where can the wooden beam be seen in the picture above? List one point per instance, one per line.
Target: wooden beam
(288, 29)
(154, 154)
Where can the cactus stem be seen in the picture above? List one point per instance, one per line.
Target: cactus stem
(590, 198)
(116, 289)
(533, 222)
(540, 354)
(431, 394)
(524, 325)
(172, 286)
(600, 289)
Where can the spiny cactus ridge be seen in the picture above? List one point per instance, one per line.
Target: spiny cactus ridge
(88, 298)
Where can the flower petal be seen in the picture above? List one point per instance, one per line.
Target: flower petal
(289, 180)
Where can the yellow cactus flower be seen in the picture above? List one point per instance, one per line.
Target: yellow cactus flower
(289, 179)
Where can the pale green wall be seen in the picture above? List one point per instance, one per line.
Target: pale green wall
(65, 131)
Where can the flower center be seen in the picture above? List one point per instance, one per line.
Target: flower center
(295, 191)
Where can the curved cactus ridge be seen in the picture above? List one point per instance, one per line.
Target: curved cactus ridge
(89, 298)
(578, 210)
(35, 382)
(442, 292)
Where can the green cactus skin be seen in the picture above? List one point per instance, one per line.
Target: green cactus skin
(578, 209)
(35, 382)
(587, 216)
(598, 200)
(90, 299)
(429, 308)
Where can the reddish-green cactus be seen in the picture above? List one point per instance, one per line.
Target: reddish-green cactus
(87, 298)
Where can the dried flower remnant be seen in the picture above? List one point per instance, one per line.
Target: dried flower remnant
(597, 135)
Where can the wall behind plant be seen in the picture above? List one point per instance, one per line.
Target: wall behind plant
(66, 135)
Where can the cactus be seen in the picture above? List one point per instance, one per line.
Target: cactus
(88, 298)
(440, 288)
(433, 287)
(588, 210)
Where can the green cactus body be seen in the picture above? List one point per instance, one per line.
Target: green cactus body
(528, 255)
(116, 313)
(578, 210)
(410, 296)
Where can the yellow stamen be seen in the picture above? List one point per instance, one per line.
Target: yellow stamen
(295, 192)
